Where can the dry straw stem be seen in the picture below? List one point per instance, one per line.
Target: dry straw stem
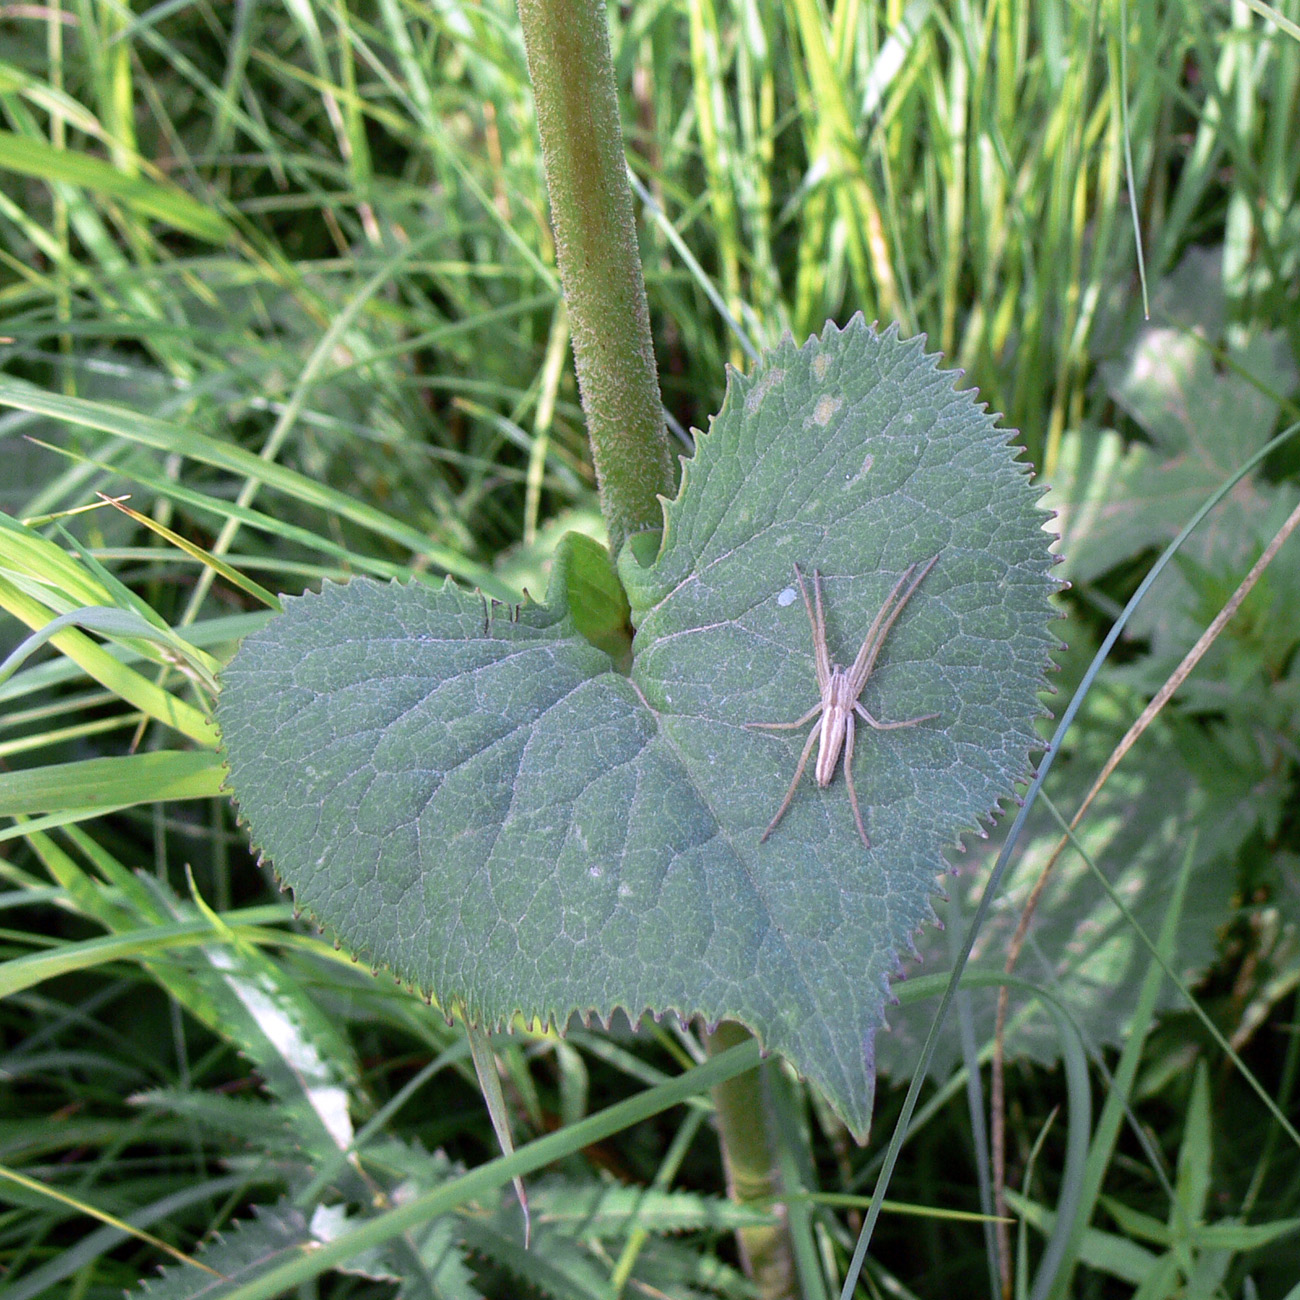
(1144, 720)
(110, 1220)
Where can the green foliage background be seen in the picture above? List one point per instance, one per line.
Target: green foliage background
(281, 272)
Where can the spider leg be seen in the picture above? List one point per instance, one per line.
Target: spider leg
(818, 623)
(848, 781)
(889, 726)
(798, 772)
(789, 726)
(882, 623)
(871, 643)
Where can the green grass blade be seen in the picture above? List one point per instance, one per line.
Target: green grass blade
(112, 782)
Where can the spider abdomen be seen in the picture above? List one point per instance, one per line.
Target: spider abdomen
(837, 723)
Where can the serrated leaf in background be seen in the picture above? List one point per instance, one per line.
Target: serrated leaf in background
(238, 991)
(1207, 397)
(243, 1252)
(1080, 947)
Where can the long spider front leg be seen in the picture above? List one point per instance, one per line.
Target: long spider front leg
(817, 621)
(882, 623)
(798, 772)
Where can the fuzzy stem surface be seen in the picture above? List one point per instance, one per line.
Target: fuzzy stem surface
(567, 43)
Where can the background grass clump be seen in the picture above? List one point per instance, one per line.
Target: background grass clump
(278, 279)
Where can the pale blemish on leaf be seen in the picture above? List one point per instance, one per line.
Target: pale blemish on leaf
(820, 364)
(762, 385)
(824, 411)
(786, 597)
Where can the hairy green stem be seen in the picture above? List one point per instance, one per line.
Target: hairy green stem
(751, 1158)
(567, 42)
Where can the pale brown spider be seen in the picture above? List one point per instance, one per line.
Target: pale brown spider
(840, 689)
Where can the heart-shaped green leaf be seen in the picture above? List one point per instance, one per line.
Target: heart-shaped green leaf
(477, 799)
